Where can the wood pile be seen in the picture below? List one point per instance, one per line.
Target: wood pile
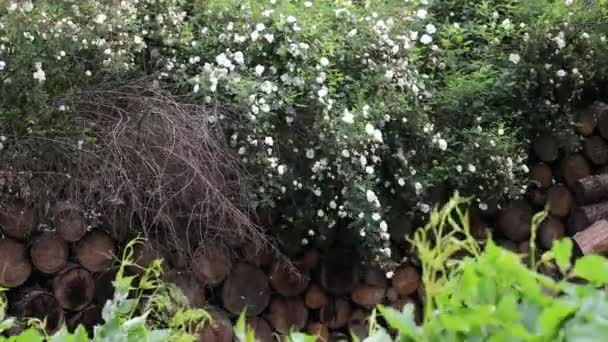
(54, 273)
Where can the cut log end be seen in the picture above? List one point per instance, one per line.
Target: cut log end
(315, 297)
(14, 265)
(406, 280)
(541, 175)
(586, 120)
(596, 149)
(368, 296)
(287, 281)
(190, 286)
(546, 148)
(17, 220)
(560, 200)
(339, 271)
(49, 253)
(336, 313)
(96, 251)
(261, 329)
(594, 239)
(551, 230)
(211, 263)
(246, 288)
(574, 168)
(287, 314)
(69, 221)
(258, 256)
(74, 288)
(514, 222)
(88, 317)
(42, 305)
(219, 329)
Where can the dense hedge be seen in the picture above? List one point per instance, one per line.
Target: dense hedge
(346, 112)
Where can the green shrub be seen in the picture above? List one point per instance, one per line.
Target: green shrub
(345, 112)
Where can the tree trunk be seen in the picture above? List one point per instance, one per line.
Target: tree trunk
(545, 148)
(319, 330)
(190, 286)
(41, 304)
(14, 265)
(339, 271)
(287, 281)
(406, 280)
(560, 200)
(368, 296)
(287, 314)
(315, 297)
(336, 313)
(95, 251)
(514, 222)
(574, 168)
(211, 263)
(591, 189)
(593, 240)
(583, 217)
(69, 221)
(541, 175)
(74, 288)
(551, 229)
(246, 287)
(49, 253)
(17, 220)
(596, 150)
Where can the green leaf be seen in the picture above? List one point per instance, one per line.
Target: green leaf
(562, 250)
(299, 337)
(379, 336)
(552, 317)
(402, 321)
(593, 268)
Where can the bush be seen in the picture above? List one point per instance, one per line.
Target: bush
(346, 112)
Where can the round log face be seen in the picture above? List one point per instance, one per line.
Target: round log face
(574, 168)
(218, 330)
(287, 281)
(315, 297)
(596, 150)
(336, 313)
(406, 280)
(69, 221)
(74, 288)
(262, 330)
(211, 264)
(17, 220)
(560, 200)
(15, 267)
(287, 313)
(514, 222)
(550, 230)
(95, 251)
(546, 148)
(49, 253)
(368, 296)
(246, 288)
(190, 286)
(42, 305)
(541, 175)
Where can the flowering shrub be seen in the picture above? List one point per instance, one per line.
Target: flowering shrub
(346, 112)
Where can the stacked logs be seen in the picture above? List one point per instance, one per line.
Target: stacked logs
(326, 294)
(54, 274)
(572, 183)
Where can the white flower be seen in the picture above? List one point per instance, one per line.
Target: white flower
(2, 65)
(369, 129)
(324, 61)
(376, 217)
(259, 70)
(569, 2)
(426, 39)
(310, 153)
(239, 57)
(383, 226)
(560, 73)
(307, 4)
(351, 33)
(421, 13)
(425, 208)
(390, 274)
(401, 181)
(348, 117)
(430, 29)
(371, 196)
(459, 168)
(472, 168)
(483, 206)
(268, 141)
(254, 35)
(260, 27)
(269, 37)
(304, 241)
(514, 58)
(223, 60)
(506, 24)
(39, 74)
(443, 144)
(100, 18)
(561, 43)
(345, 153)
(418, 188)
(322, 92)
(291, 19)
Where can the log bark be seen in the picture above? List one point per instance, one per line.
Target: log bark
(89, 317)
(583, 217)
(336, 313)
(368, 296)
(319, 330)
(339, 271)
(246, 287)
(218, 330)
(591, 189)
(315, 297)
(541, 175)
(17, 220)
(358, 324)
(69, 221)
(406, 280)
(74, 288)
(260, 257)
(211, 263)
(49, 253)
(560, 200)
(601, 110)
(593, 240)
(288, 281)
(286, 314)
(95, 251)
(596, 149)
(261, 328)
(545, 148)
(551, 229)
(514, 221)
(41, 304)
(573, 168)
(15, 267)
(190, 286)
